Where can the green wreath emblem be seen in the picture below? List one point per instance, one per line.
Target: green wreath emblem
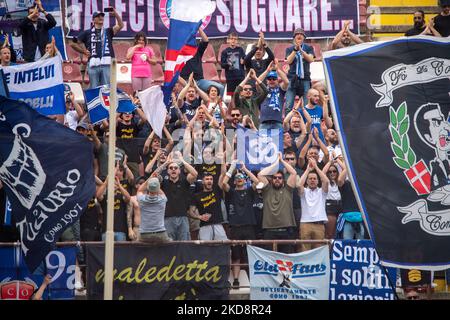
(405, 157)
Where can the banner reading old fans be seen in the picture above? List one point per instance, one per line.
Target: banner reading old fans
(392, 104)
(278, 19)
(164, 272)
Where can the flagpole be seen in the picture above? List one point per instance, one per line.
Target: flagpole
(109, 245)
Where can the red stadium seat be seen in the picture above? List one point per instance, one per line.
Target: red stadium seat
(71, 72)
(157, 74)
(223, 46)
(75, 56)
(120, 51)
(210, 72)
(279, 50)
(209, 55)
(157, 50)
(317, 51)
(126, 87)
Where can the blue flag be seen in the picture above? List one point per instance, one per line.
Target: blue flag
(258, 149)
(47, 172)
(97, 100)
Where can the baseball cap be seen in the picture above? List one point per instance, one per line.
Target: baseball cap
(153, 185)
(272, 74)
(299, 31)
(82, 125)
(97, 13)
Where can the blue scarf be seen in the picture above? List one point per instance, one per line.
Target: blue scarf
(299, 66)
(274, 99)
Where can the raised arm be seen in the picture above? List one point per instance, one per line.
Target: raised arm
(323, 177)
(304, 151)
(284, 79)
(225, 186)
(323, 147)
(119, 23)
(263, 75)
(343, 175)
(291, 181)
(192, 173)
(325, 100)
(268, 171)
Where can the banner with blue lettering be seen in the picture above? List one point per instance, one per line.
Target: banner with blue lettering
(258, 149)
(13, 11)
(393, 124)
(47, 172)
(277, 19)
(97, 100)
(39, 84)
(18, 283)
(297, 276)
(356, 272)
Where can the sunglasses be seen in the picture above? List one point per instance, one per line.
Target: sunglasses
(235, 115)
(272, 79)
(413, 298)
(277, 178)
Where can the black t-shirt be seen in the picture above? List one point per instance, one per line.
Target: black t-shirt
(349, 203)
(240, 207)
(86, 37)
(209, 202)
(442, 25)
(214, 169)
(178, 197)
(120, 210)
(189, 109)
(127, 141)
(195, 64)
(89, 219)
(414, 32)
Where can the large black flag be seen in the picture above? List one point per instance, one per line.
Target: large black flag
(47, 171)
(392, 103)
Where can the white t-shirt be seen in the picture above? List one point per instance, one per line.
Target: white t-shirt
(333, 192)
(216, 114)
(313, 205)
(71, 119)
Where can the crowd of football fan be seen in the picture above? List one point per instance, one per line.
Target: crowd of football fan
(189, 184)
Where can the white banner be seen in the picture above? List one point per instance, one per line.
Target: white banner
(298, 276)
(402, 75)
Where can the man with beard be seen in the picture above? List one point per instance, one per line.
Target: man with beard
(316, 112)
(419, 24)
(344, 38)
(313, 198)
(332, 141)
(278, 212)
(294, 124)
(441, 22)
(244, 99)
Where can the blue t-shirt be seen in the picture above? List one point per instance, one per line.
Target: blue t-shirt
(271, 112)
(292, 66)
(189, 109)
(316, 115)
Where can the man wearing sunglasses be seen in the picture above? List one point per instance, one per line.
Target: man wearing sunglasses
(278, 212)
(442, 20)
(244, 99)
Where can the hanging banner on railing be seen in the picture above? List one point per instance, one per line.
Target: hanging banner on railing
(277, 19)
(356, 272)
(164, 272)
(297, 276)
(17, 283)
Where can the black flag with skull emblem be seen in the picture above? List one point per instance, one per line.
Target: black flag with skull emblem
(391, 102)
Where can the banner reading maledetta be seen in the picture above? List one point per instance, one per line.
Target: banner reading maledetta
(391, 101)
(164, 272)
(278, 19)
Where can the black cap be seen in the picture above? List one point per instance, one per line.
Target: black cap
(97, 13)
(299, 31)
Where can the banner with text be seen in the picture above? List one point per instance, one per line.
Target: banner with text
(164, 272)
(277, 19)
(356, 272)
(395, 130)
(38, 84)
(18, 283)
(297, 276)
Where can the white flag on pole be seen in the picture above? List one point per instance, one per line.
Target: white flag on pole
(152, 100)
